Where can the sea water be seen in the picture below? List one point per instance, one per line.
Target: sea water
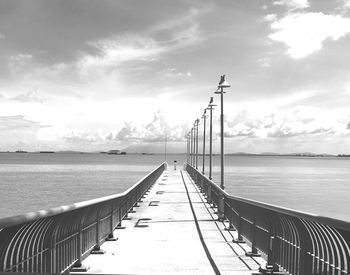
(34, 181)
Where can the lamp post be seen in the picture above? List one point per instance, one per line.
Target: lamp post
(211, 108)
(191, 149)
(196, 127)
(204, 120)
(222, 84)
(194, 145)
(187, 149)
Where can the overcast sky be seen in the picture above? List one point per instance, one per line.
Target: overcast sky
(99, 75)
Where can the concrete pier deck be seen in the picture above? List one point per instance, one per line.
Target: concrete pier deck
(173, 231)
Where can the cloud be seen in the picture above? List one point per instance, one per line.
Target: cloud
(83, 138)
(270, 17)
(2, 36)
(346, 3)
(348, 126)
(173, 73)
(163, 38)
(264, 62)
(114, 51)
(131, 137)
(301, 121)
(31, 96)
(305, 33)
(18, 122)
(293, 4)
(156, 131)
(19, 132)
(107, 65)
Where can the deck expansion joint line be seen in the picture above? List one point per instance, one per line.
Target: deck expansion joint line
(207, 252)
(228, 243)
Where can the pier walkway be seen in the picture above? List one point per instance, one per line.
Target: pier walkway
(173, 230)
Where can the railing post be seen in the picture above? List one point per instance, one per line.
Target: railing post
(221, 207)
(271, 265)
(78, 267)
(202, 184)
(97, 239)
(111, 226)
(254, 252)
(239, 230)
(270, 254)
(209, 194)
(97, 249)
(79, 246)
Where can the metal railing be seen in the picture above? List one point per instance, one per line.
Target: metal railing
(55, 240)
(292, 241)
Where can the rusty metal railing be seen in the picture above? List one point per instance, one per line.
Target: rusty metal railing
(292, 241)
(55, 240)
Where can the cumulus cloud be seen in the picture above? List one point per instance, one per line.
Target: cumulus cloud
(301, 121)
(82, 138)
(293, 4)
(156, 131)
(305, 33)
(133, 136)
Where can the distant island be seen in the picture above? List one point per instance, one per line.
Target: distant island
(21, 151)
(115, 152)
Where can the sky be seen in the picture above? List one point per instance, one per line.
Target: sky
(96, 75)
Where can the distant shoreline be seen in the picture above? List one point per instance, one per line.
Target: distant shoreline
(241, 154)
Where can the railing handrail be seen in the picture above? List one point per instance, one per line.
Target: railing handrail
(31, 216)
(341, 224)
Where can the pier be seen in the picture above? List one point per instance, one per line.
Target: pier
(173, 230)
(174, 222)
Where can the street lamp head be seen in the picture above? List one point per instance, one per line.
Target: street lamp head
(211, 105)
(219, 91)
(223, 83)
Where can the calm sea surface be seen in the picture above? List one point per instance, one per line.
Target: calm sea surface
(32, 181)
